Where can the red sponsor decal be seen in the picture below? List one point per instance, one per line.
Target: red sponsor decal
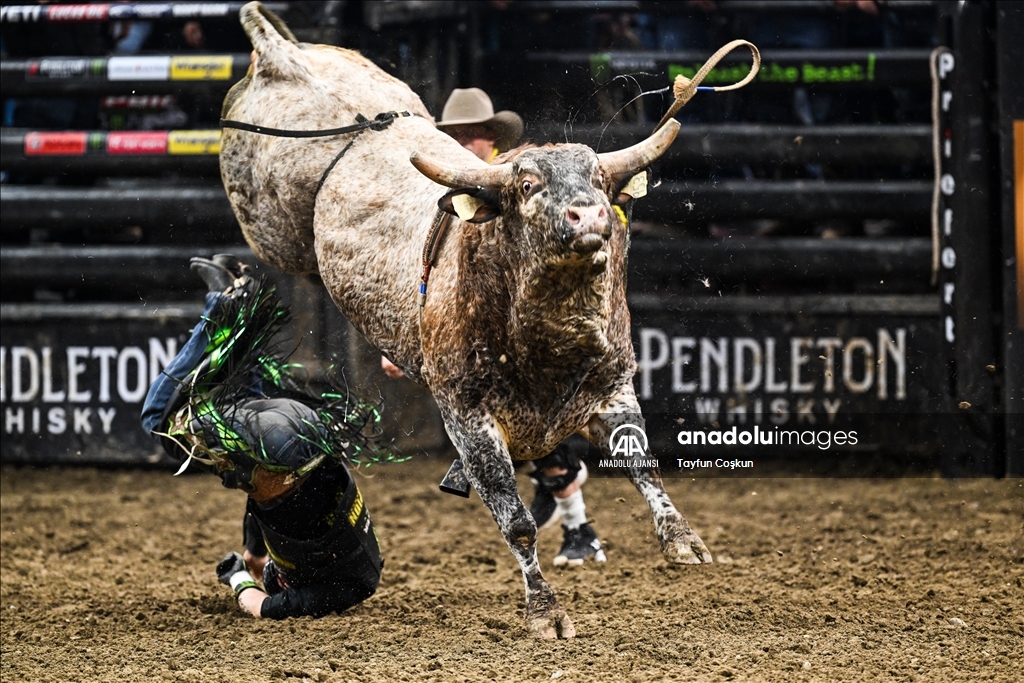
(137, 143)
(42, 144)
(77, 12)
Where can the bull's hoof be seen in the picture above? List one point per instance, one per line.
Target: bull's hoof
(680, 544)
(686, 548)
(555, 624)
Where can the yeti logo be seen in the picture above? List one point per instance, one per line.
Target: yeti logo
(628, 441)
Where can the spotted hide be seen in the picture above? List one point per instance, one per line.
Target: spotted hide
(525, 335)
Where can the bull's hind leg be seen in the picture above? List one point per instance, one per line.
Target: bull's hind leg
(679, 543)
(489, 468)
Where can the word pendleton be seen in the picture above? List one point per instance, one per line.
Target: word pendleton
(798, 365)
(76, 389)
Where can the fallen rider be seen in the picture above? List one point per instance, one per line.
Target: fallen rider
(229, 402)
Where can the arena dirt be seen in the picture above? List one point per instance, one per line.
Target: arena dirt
(107, 575)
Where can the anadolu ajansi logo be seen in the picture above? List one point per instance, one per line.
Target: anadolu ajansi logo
(628, 441)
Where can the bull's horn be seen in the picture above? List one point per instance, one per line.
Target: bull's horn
(641, 154)
(275, 45)
(483, 176)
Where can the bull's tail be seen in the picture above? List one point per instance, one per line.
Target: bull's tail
(278, 54)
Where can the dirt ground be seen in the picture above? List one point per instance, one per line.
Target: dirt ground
(107, 575)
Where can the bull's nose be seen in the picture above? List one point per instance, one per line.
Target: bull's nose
(588, 219)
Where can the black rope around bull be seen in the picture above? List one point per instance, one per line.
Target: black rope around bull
(378, 122)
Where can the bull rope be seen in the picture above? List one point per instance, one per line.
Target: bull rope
(685, 88)
(379, 122)
(430, 251)
(362, 124)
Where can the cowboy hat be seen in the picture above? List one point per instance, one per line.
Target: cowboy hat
(472, 106)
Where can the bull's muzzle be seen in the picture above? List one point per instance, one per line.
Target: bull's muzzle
(589, 227)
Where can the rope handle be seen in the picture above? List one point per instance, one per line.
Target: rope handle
(685, 88)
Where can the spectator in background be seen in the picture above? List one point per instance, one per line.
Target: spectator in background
(192, 33)
(789, 30)
(216, 36)
(848, 23)
(844, 23)
(130, 36)
(910, 27)
(220, 36)
(508, 26)
(469, 117)
(691, 26)
(618, 100)
(49, 39)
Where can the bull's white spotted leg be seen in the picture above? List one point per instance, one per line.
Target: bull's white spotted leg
(679, 543)
(489, 469)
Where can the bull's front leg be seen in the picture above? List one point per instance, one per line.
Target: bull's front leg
(489, 469)
(679, 543)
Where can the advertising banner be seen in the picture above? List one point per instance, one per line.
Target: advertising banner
(73, 379)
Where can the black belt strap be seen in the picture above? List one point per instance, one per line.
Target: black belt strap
(379, 122)
(327, 171)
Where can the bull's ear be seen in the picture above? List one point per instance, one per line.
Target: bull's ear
(277, 55)
(471, 204)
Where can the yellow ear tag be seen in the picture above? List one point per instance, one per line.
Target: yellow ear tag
(466, 205)
(637, 186)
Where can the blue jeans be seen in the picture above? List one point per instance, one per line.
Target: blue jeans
(162, 389)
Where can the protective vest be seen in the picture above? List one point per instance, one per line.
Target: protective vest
(348, 551)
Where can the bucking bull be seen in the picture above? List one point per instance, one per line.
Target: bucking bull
(524, 338)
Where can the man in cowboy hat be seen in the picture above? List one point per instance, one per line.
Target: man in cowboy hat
(469, 118)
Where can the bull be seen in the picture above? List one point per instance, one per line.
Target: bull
(524, 338)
